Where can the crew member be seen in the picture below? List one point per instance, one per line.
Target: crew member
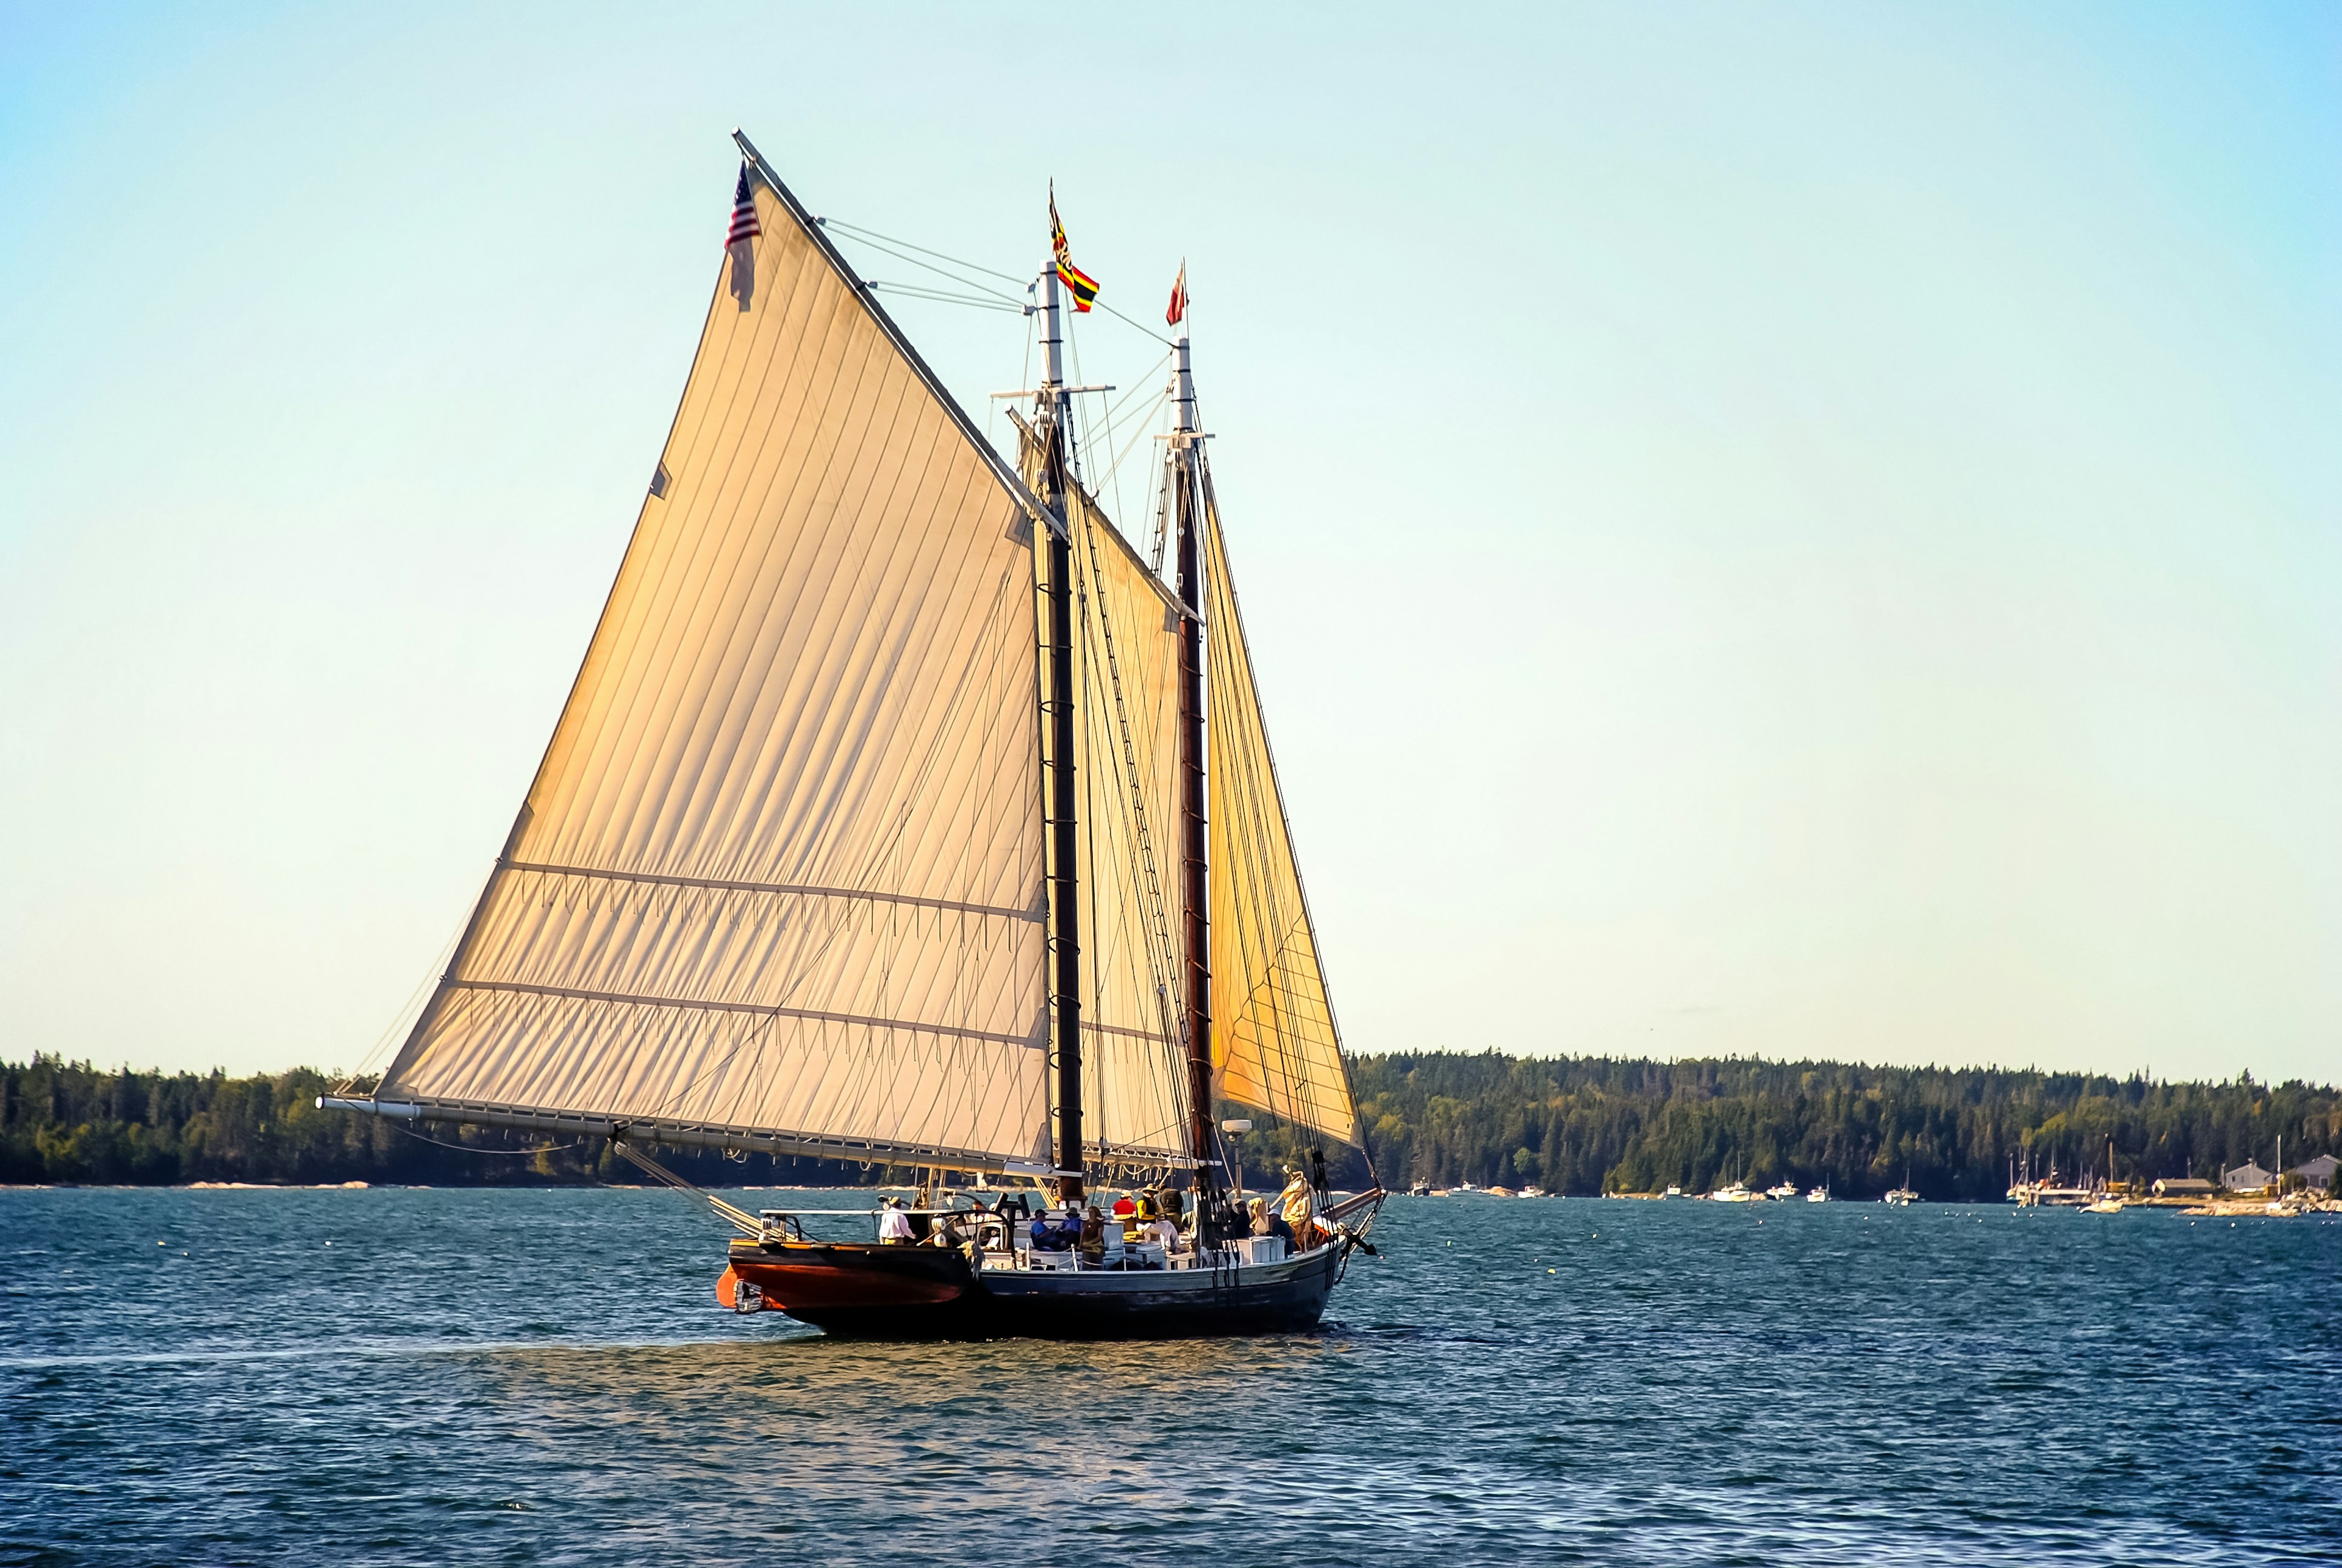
(1093, 1236)
(1300, 1209)
(1163, 1232)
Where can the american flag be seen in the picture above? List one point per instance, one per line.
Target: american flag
(740, 244)
(744, 225)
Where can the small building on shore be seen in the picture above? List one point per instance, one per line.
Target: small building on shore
(2185, 1187)
(2319, 1172)
(2247, 1177)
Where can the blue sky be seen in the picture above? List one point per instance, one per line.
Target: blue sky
(1808, 530)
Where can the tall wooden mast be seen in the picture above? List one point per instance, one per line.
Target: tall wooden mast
(1060, 705)
(1194, 878)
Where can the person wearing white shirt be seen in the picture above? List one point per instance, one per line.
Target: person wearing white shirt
(894, 1225)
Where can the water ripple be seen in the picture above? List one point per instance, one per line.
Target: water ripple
(542, 1377)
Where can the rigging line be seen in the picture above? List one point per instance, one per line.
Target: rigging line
(949, 276)
(1163, 500)
(1137, 387)
(868, 234)
(467, 1149)
(402, 1023)
(920, 291)
(1140, 326)
(1130, 445)
(872, 237)
(1114, 413)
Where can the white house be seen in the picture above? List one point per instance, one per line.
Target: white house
(2247, 1177)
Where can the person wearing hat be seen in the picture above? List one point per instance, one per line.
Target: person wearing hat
(894, 1225)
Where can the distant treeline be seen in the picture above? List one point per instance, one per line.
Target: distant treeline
(1581, 1125)
(68, 1122)
(1590, 1125)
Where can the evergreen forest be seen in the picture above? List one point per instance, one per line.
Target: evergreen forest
(1580, 1125)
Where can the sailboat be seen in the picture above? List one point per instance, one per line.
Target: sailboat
(903, 812)
(2109, 1197)
(1904, 1196)
(1736, 1192)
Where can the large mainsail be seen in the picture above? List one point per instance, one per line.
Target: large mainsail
(1275, 1045)
(779, 878)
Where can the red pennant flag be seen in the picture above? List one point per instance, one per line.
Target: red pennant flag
(1178, 311)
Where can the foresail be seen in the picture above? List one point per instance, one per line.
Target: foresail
(1274, 1042)
(780, 870)
(1133, 1088)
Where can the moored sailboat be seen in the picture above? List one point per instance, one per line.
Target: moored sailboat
(902, 812)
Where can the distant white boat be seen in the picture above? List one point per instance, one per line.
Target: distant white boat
(1901, 1197)
(1782, 1193)
(1819, 1194)
(1672, 1192)
(1533, 1191)
(1738, 1193)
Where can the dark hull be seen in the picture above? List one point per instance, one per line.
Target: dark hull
(928, 1293)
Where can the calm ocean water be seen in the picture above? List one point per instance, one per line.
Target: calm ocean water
(543, 1376)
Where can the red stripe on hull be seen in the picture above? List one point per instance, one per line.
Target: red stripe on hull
(826, 1278)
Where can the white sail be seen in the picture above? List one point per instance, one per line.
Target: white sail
(1134, 1081)
(1275, 1045)
(1126, 651)
(780, 872)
